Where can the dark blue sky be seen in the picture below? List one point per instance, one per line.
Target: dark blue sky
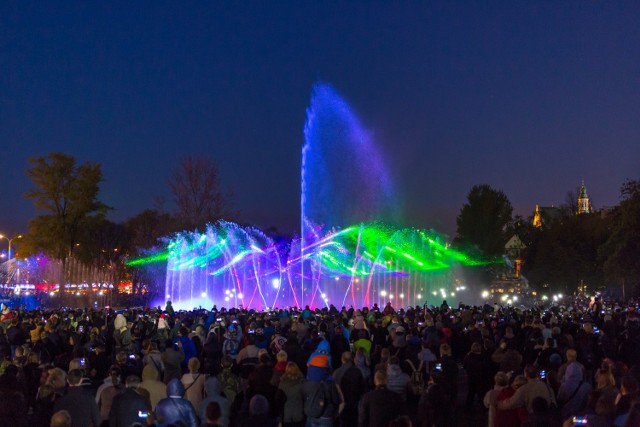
(529, 97)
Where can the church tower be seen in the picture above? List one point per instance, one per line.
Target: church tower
(537, 217)
(584, 204)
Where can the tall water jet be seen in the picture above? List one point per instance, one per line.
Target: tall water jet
(343, 178)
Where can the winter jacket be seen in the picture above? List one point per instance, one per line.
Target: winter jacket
(293, 407)
(174, 408)
(151, 382)
(213, 390)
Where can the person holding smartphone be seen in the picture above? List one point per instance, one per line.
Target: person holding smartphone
(127, 405)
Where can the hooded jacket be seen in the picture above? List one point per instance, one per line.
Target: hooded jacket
(174, 408)
(574, 392)
(151, 382)
(213, 390)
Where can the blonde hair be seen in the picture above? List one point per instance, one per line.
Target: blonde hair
(281, 356)
(604, 378)
(292, 371)
(194, 365)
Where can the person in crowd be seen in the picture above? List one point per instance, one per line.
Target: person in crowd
(51, 390)
(476, 366)
(212, 415)
(259, 413)
(122, 334)
(229, 380)
(188, 347)
(153, 356)
(397, 379)
(291, 384)
(605, 382)
(507, 358)
(350, 381)
(172, 360)
(524, 396)
(151, 382)
(491, 397)
(436, 404)
(629, 392)
(193, 383)
(511, 417)
(107, 391)
(279, 367)
(128, 406)
(13, 404)
(60, 419)
(339, 344)
(174, 409)
(380, 405)
(78, 402)
(573, 393)
(213, 393)
(572, 358)
(362, 363)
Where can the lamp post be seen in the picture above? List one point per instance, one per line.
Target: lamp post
(19, 236)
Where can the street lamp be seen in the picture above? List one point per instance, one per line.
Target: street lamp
(19, 236)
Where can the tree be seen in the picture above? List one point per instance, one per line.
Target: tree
(195, 186)
(620, 252)
(570, 205)
(65, 196)
(566, 254)
(146, 228)
(483, 221)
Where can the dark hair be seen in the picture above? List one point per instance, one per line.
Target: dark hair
(213, 411)
(531, 371)
(401, 421)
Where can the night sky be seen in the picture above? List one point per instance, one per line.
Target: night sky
(529, 97)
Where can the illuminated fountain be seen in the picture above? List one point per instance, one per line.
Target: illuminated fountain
(343, 182)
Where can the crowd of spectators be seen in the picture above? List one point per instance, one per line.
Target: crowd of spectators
(576, 362)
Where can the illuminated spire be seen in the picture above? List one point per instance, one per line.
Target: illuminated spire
(537, 218)
(584, 204)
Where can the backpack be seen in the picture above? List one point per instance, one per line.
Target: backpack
(416, 381)
(230, 384)
(315, 399)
